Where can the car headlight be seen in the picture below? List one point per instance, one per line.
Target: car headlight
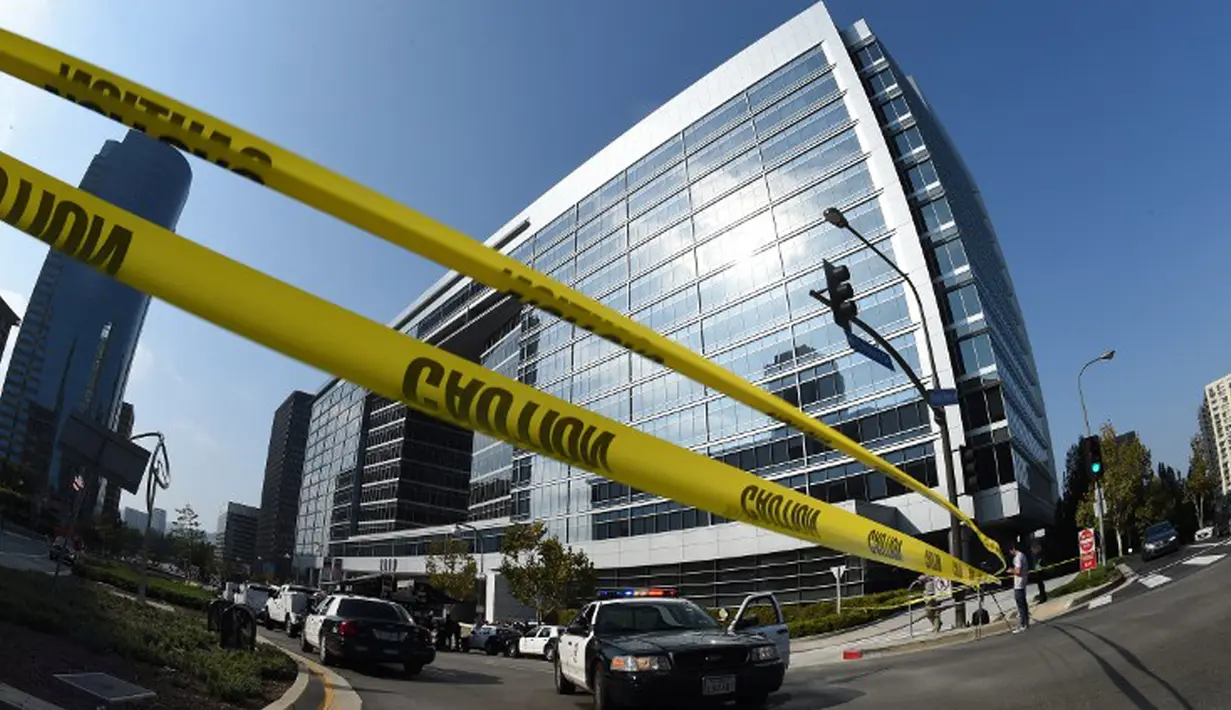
(1171, 539)
(764, 653)
(1150, 546)
(640, 664)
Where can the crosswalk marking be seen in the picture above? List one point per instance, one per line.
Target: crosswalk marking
(1100, 601)
(1154, 580)
(1203, 560)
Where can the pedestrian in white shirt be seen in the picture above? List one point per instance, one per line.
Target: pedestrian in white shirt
(1021, 574)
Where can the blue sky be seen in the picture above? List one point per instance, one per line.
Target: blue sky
(1091, 128)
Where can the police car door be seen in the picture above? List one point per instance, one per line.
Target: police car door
(571, 649)
(764, 616)
(312, 625)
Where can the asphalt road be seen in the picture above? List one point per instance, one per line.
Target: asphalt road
(18, 552)
(1154, 647)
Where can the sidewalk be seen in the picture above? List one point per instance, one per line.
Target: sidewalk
(898, 634)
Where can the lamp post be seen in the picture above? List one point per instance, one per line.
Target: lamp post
(835, 217)
(475, 533)
(1098, 486)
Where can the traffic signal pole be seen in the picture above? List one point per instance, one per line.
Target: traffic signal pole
(835, 217)
(1098, 486)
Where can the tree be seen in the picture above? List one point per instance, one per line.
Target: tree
(1126, 465)
(452, 569)
(187, 537)
(542, 572)
(1201, 487)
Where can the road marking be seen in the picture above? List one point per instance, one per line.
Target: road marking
(1203, 560)
(1154, 580)
(1100, 601)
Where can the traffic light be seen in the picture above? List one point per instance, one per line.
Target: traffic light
(971, 476)
(841, 294)
(1092, 456)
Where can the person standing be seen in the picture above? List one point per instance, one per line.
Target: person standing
(1021, 576)
(1036, 564)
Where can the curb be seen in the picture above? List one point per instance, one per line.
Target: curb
(339, 695)
(293, 693)
(11, 697)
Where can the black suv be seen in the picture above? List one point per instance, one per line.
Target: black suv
(1160, 539)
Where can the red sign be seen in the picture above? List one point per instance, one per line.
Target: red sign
(1085, 544)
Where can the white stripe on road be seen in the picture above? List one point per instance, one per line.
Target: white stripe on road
(1154, 580)
(1203, 560)
(1100, 601)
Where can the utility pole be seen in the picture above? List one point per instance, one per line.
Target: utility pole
(1098, 486)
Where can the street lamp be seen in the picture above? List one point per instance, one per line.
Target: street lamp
(1098, 486)
(834, 216)
(158, 477)
(475, 532)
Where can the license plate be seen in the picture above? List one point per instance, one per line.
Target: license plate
(387, 635)
(718, 685)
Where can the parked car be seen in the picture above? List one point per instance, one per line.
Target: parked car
(63, 551)
(540, 641)
(363, 629)
(1160, 539)
(635, 647)
(287, 607)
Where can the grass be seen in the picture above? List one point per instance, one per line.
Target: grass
(157, 587)
(1087, 580)
(92, 617)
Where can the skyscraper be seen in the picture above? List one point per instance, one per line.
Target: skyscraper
(705, 223)
(236, 541)
(76, 347)
(1215, 421)
(288, 438)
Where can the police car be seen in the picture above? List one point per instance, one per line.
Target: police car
(635, 647)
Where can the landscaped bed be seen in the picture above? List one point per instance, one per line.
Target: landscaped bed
(50, 626)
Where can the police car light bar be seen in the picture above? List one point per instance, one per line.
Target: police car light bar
(629, 592)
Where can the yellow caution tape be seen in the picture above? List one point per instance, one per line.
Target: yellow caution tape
(213, 140)
(305, 327)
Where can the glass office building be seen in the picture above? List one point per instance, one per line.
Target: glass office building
(80, 332)
(704, 223)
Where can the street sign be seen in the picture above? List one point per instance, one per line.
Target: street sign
(941, 586)
(869, 350)
(1087, 548)
(942, 398)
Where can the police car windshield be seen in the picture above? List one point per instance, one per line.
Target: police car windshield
(648, 616)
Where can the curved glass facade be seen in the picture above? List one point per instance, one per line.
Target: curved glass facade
(705, 223)
(76, 345)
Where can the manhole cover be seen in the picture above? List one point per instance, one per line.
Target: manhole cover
(105, 687)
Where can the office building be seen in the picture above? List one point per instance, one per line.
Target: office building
(159, 523)
(288, 437)
(704, 222)
(1216, 430)
(8, 321)
(80, 332)
(133, 518)
(236, 536)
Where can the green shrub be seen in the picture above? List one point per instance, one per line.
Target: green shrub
(159, 588)
(97, 619)
(1087, 580)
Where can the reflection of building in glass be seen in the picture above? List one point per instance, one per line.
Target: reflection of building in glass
(76, 346)
(704, 222)
(8, 321)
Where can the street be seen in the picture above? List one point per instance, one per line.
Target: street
(1161, 646)
(24, 553)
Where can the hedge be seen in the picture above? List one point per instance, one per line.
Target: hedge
(159, 588)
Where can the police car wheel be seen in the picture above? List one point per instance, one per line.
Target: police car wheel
(602, 697)
(563, 685)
